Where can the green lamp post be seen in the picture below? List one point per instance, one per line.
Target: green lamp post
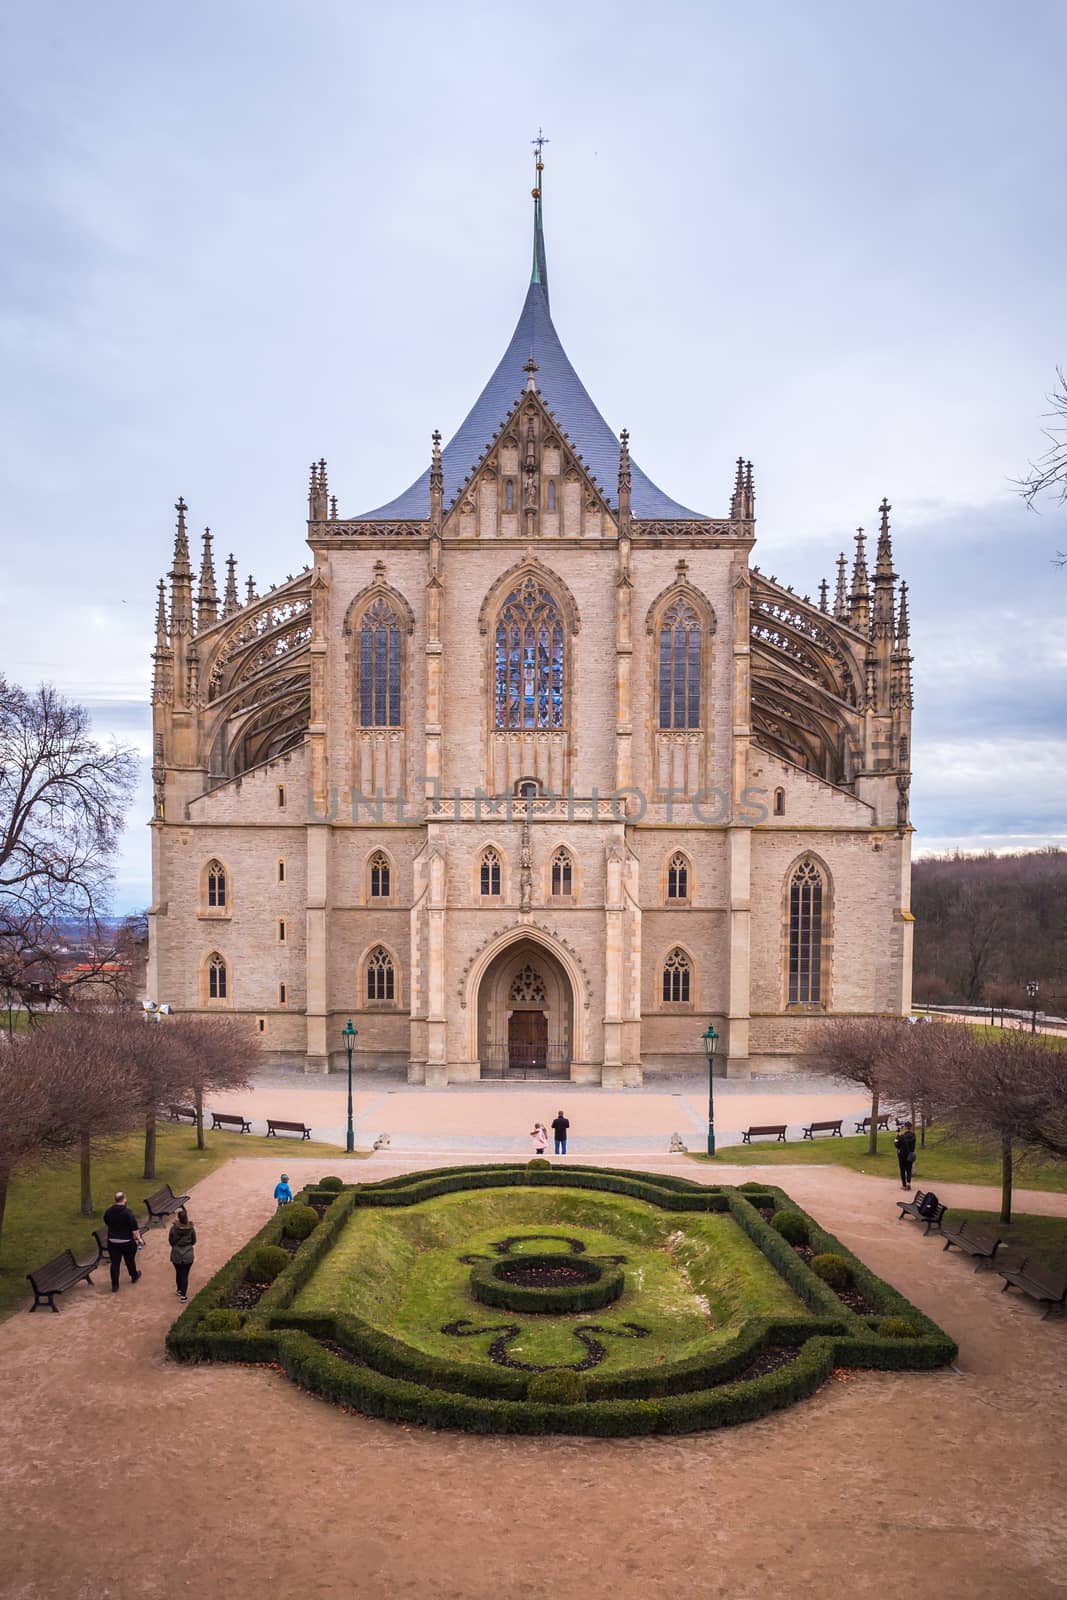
(711, 1039)
(348, 1034)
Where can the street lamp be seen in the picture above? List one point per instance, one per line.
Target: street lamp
(711, 1039)
(348, 1034)
(1031, 995)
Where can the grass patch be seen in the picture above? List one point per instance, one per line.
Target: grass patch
(688, 1278)
(44, 1216)
(1044, 1237)
(944, 1160)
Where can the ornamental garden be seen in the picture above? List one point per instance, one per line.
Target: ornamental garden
(532, 1300)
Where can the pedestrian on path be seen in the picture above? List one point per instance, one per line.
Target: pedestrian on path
(182, 1241)
(904, 1144)
(539, 1136)
(282, 1192)
(123, 1240)
(560, 1124)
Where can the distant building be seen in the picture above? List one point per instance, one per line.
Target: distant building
(532, 771)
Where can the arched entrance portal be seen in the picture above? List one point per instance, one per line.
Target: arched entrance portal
(525, 1014)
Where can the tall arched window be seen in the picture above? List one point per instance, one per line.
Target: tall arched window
(379, 876)
(562, 873)
(381, 979)
(680, 644)
(676, 978)
(490, 876)
(678, 877)
(216, 886)
(529, 660)
(216, 977)
(379, 666)
(509, 495)
(551, 496)
(805, 935)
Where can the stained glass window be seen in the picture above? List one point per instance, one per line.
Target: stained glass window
(490, 872)
(379, 666)
(676, 973)
(379, 876)
(679, 667)
(216, 978)
(380, 977)
(216, 886)
(805, 935)
(561, 872)
(678, 878)
(529, 660)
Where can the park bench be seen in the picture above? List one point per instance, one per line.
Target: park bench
(981, 1242)
(832, 1128)
(273, 1126)
(163, 1204)
(100, 1241)
(62, 1272)
(864, 1123)
(777, 1128)
(182, 1113)
(913, 1208)
(1038, 1281)
(230, 1119)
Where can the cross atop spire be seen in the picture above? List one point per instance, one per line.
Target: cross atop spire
(539, 274)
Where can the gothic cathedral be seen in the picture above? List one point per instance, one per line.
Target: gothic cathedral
(532, 773)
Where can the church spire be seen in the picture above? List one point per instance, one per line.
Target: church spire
(859, 610)
(902, 692)
(539, 273)
(841, 593)
(884, 578)
(625, 479)
(207, 600)
(230, 602)
(181, 577)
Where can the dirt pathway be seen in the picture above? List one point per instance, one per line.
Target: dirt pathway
(126, 1476)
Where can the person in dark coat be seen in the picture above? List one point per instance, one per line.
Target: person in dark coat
(182, 1240)
(560, 1124)
(123, 1238)
(904, 1144)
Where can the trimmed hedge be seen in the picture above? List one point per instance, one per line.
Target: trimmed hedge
(832, 1269)
(300, 1221)
(601, 1290)
(387, 1378)
(791, 1225)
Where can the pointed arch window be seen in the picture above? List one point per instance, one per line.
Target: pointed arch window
(678, 877)
(216, 886)
(509, 495)
(490, 876)
(562, 873)
(806, 935)
(217, 977)
(680, 659)
(380, 877)
(379, 666)
(381, 977)
(677, 976)
(529, 676)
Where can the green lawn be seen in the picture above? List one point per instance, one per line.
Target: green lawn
(44, 1216)
(691, 1279)
(1046, 1237)
(942, 1161)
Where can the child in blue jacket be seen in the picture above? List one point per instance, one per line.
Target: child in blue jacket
(282, 1192)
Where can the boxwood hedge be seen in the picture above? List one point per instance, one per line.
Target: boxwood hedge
(347, 1360)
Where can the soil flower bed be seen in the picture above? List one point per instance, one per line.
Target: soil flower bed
(464, 1298)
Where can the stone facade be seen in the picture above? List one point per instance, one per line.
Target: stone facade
(532, 780)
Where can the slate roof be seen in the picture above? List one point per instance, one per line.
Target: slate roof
(564, 394)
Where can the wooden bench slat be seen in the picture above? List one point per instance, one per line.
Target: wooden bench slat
(61, 1273)
(777, 1128)
(230, 1119)
(273, 1124)
(833, 1127)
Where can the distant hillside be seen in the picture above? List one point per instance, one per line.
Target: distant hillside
(985, 924)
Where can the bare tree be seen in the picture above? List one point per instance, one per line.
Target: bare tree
(1048, 474)
(216, 1053)
(914, 1073)
(864, 1051)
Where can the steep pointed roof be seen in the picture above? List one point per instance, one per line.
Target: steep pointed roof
(563, 393)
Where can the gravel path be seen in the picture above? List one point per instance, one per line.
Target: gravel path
(125, 1476)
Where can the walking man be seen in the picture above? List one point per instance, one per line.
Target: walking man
(123, 1237)
(560, 1124)
(904, 1144)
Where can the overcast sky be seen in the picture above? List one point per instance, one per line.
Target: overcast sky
(831, 237)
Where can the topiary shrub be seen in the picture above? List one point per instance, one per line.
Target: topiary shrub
(300, 1220)
(560, 1387)
(833, 1270)
(752, 1188)
(792, 1227)
(267, 1262)
(221, 1320)
(330, 1183)
(539, 1164)
(896, 1328)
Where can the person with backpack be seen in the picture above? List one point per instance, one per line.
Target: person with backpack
(182, 1241)
(904, 1144)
